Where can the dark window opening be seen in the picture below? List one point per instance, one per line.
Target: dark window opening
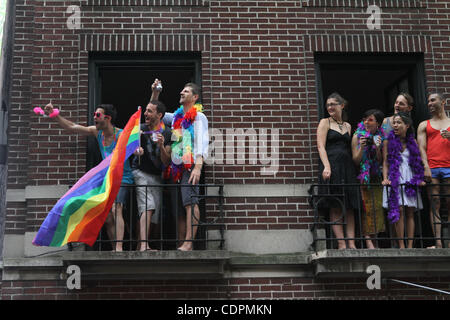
(125, 80)
(371, 81)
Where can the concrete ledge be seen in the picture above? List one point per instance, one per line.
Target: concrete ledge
(36, 192)
(45, 192)
(392, 262)
(15, 195)
(48, 268)
(120, 265)
(149, 265)
(215, 264)
(265, 190)
(268, 241)
(230, 190)
(208, 264)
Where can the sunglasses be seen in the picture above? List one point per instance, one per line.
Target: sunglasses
(100, 115)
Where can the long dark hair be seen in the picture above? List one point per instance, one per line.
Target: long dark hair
(378, 114)
(406, 118)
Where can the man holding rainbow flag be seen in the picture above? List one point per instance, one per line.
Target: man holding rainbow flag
(80, 214)
(154, 155)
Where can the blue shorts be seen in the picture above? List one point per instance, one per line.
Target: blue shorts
(184, 196)
(123, 195)
(440, 173)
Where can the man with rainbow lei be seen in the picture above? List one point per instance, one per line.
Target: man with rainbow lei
(189, 149)
(148, 167)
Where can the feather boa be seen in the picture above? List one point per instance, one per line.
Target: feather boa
(182, 147)
(369, 165)
(394, 159)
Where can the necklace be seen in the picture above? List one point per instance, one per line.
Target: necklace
(339, 124)
(104, 138)
(159, 129)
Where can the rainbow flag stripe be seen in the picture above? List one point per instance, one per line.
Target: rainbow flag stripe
(80, 214)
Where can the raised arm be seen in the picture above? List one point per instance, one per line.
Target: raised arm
(69, 125)
(422, 142)
(156, 90)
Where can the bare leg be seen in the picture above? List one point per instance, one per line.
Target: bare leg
(144, 230)
(191, 230)
(399, 229)
(338, 230)
(369, 243)
(181, 228)
(350, 229)
(115, 226)
(447, 191)
(435, 218)
(410, 225)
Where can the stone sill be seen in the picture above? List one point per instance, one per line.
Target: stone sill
(149, 265)
(119, 265)
(215, 264)
(392, 262)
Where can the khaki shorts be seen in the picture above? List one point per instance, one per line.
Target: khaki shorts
(148, 198)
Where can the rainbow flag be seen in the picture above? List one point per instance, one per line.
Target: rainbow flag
(80, 214)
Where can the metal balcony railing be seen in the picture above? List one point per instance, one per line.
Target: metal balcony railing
(424, 223)
(163, 235)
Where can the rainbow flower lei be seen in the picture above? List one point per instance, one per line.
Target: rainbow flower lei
(182, 147)
(368, 165)
(395, 159)
(159, 129)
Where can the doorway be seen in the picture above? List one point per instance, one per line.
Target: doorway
(369, 81)
(124, 80)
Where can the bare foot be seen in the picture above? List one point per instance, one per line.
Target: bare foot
(187, 246)
(437, 246)
(342, 245)
(146, 249)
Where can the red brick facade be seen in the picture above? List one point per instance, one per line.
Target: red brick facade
(260, 288)
(258, 72)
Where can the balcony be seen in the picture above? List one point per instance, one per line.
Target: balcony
(420, 260)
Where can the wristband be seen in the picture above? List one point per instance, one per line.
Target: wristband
(54, 113)
(38, 110)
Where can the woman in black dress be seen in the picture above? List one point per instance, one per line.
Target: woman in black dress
(336, 167)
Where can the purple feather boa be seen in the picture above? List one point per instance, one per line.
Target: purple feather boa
(394, 159)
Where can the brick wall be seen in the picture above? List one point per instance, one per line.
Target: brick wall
(258, 73)
(243, 288)
(257, 68)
